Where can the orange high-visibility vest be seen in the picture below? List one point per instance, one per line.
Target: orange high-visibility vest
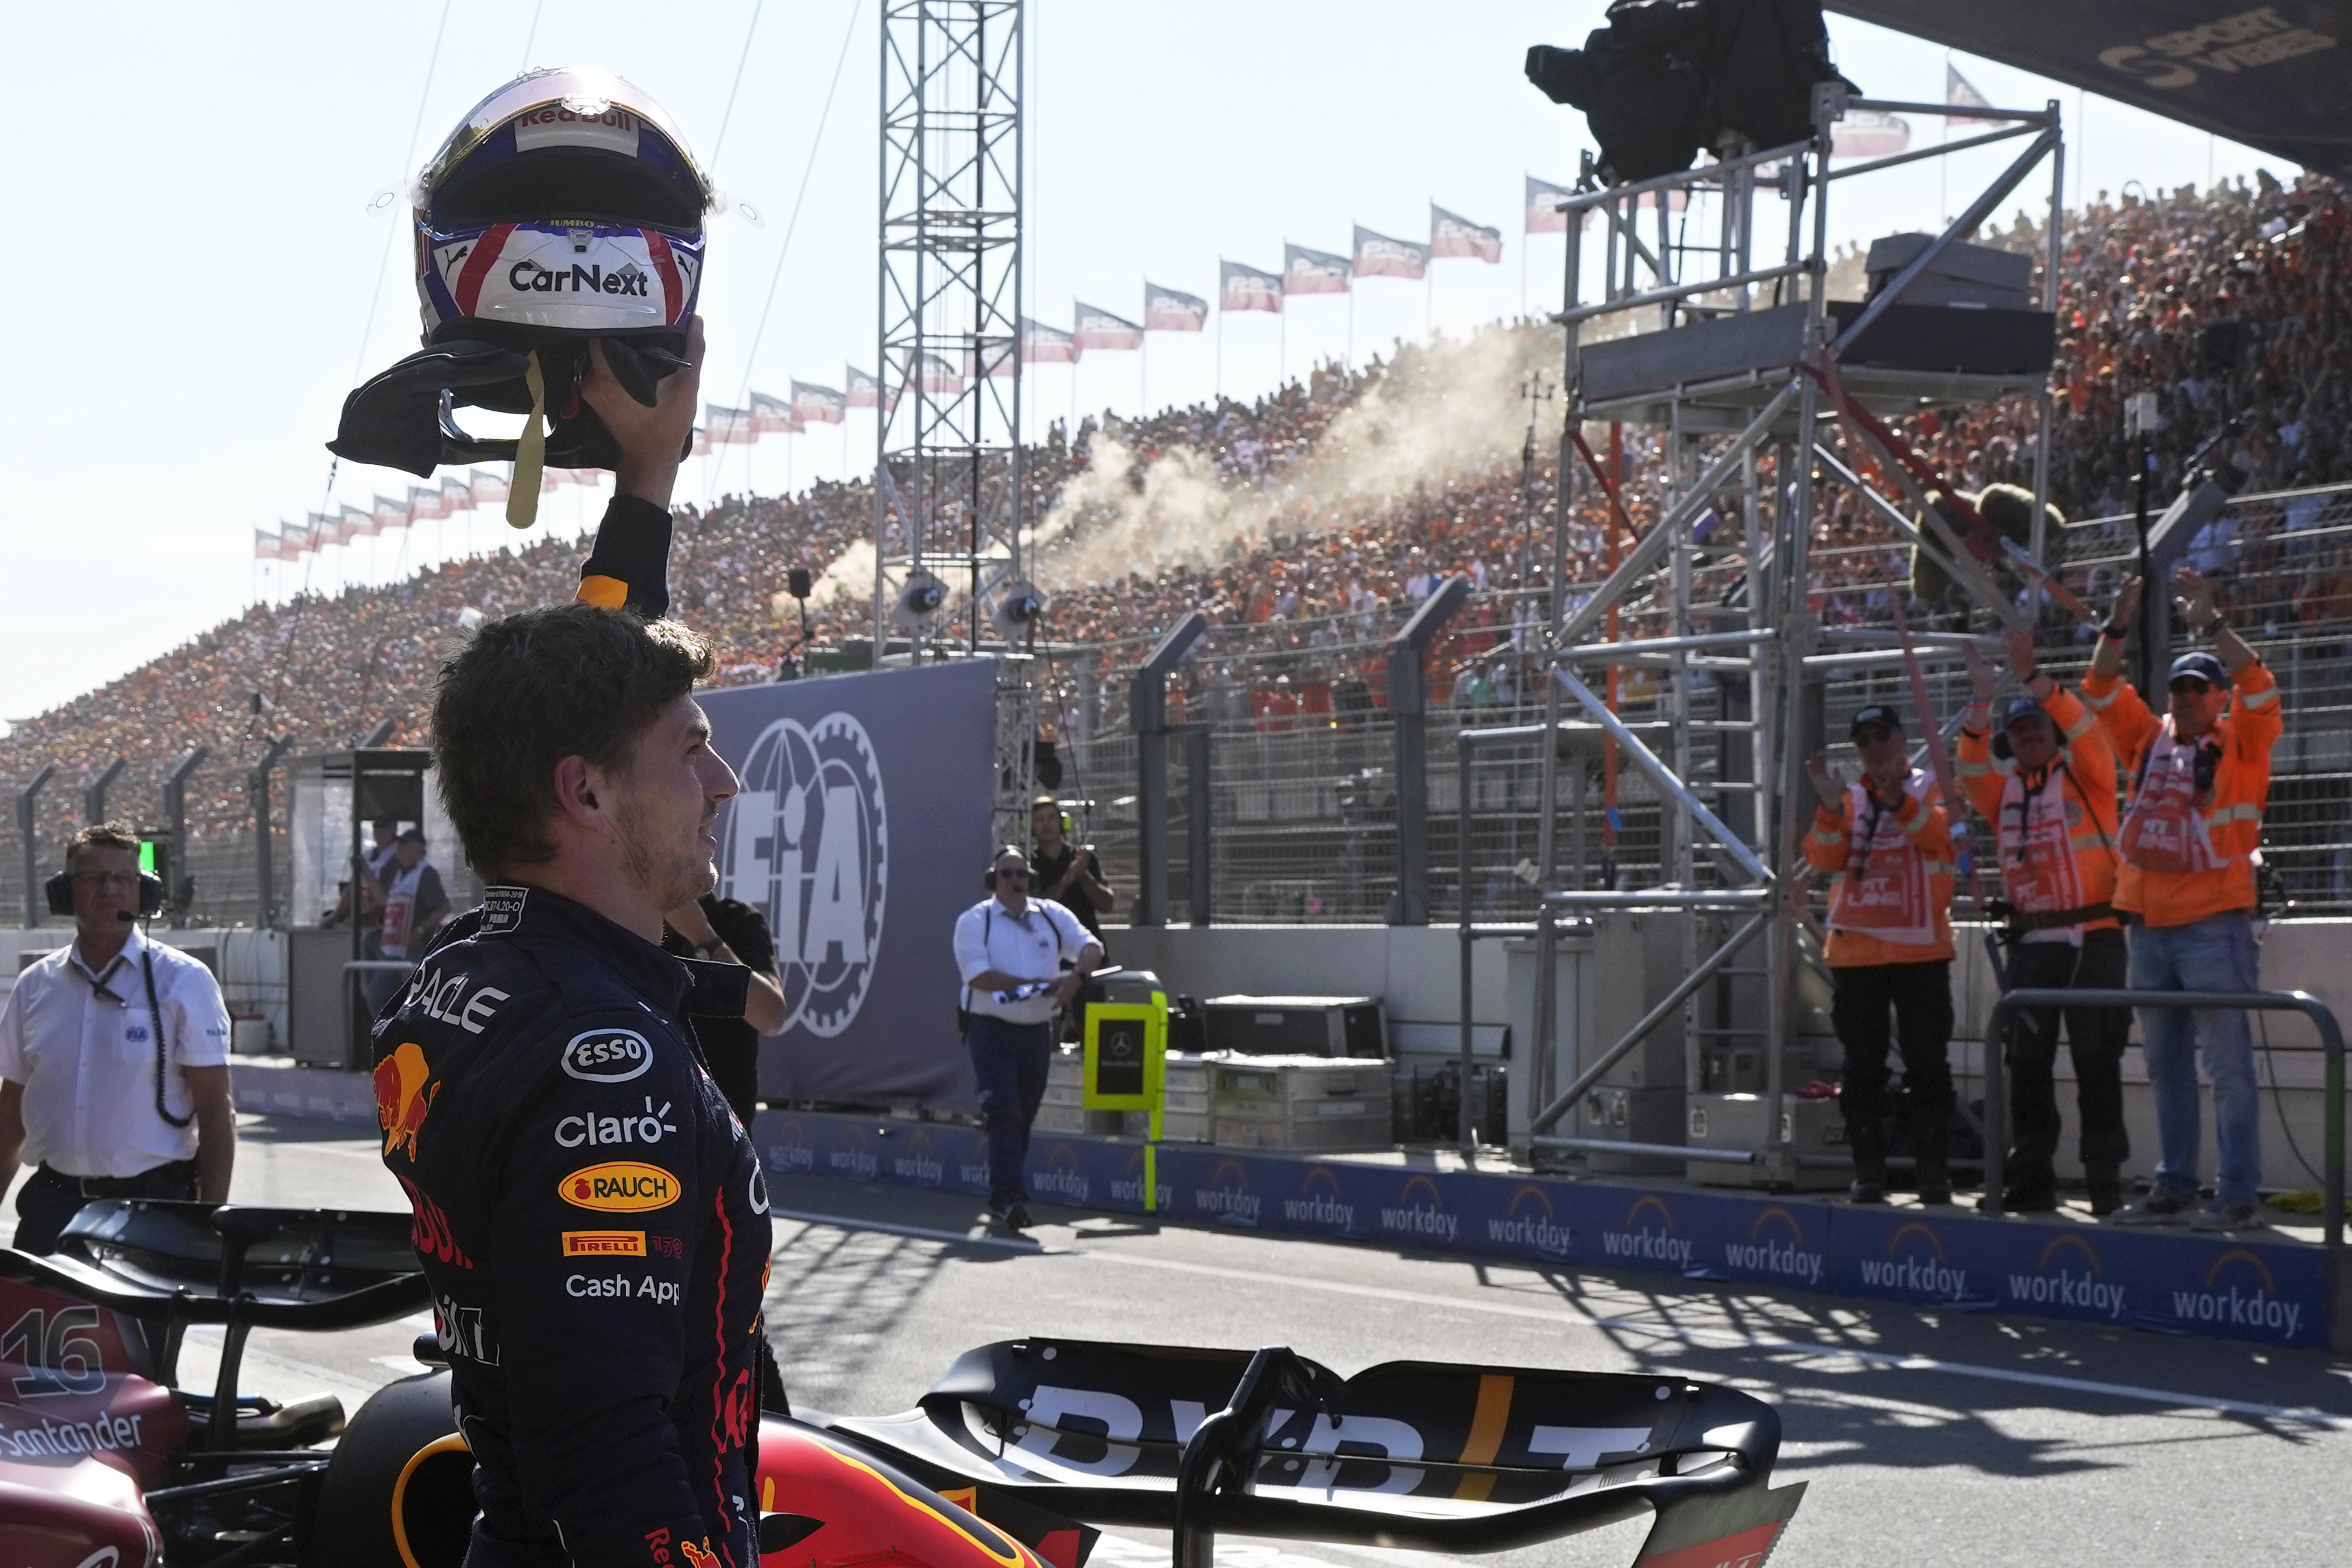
(2190, 854)
(1891, 901)
(2055, 835)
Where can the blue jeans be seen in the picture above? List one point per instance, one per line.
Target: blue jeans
(2215, 954)
(1009, 1062)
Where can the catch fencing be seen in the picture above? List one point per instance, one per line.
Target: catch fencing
(1301, 807)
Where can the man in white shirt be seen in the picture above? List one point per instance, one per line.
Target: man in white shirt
(1020, 959)
(113, 1059)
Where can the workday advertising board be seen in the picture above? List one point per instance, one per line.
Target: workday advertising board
(859, 833)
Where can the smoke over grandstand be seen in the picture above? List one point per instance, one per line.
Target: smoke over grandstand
(1454, 408)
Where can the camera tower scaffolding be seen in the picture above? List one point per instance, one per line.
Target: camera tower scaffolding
(947, 510)
(1742, 363)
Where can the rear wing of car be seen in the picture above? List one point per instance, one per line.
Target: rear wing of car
(1437, 1456)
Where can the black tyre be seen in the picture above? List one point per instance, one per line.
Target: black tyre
(399, 1491)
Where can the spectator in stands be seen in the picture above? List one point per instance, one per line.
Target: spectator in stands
(1885, 840)
(2049, 793)
(2199, 778)
(113, 1059)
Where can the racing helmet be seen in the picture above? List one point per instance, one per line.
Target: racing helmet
(564, 204)
(565, 207)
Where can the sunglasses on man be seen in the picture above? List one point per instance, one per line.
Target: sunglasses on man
(2194, 686)
(1874, 732)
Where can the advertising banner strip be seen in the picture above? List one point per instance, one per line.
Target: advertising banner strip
(2267, 1292)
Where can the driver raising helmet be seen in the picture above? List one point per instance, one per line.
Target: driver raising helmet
(588, 1210)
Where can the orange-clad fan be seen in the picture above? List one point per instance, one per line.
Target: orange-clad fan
(2197, 779)
(1885, 840)
(2047, 783)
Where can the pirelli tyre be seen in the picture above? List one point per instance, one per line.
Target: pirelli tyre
(399, 1491)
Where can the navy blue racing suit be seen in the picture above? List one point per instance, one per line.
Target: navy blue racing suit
(593, 1223)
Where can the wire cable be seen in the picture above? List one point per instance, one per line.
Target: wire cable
(785, 250)
(742, 57)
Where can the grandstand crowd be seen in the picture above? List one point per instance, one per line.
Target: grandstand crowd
(2232, 305)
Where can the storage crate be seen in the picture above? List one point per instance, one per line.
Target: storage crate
(1737, 1121)
(1254, 1084)
(1360, 1131)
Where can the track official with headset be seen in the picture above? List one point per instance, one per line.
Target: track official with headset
(1022, 959)
(113, 1055)
(2048, 786)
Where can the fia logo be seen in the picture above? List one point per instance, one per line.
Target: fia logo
(806, 844)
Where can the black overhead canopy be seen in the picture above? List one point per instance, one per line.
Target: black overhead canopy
(2277, 77)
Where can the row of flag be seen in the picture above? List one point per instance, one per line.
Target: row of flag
(423, 502)
(809, 403)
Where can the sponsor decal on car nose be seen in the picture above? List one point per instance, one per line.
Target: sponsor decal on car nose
(619, 1186)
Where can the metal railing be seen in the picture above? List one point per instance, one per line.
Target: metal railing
(2331, 1042)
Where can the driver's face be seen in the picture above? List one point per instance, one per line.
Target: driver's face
(670, 794)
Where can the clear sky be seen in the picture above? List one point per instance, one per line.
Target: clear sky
(199, 281)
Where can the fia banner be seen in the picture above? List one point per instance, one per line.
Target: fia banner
(860, 832)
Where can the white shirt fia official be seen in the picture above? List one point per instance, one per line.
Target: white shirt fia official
(1031, 944)
(83, 1045)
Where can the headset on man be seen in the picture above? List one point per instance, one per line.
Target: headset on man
(59, 889)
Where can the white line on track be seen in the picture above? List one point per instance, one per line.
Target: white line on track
(1711, 1338)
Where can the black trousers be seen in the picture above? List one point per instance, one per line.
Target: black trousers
(50, 1197)
(1873, 1006)
(2095, 1037)
(1009, 1061)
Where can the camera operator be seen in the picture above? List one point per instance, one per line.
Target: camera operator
(1022, 959)
(113, 1059)
(1066, 873)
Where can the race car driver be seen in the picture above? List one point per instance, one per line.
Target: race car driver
(588, 1211)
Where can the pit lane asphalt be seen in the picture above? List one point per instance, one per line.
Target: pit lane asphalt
(1926, 1436)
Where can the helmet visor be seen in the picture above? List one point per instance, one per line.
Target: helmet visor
(573, 142)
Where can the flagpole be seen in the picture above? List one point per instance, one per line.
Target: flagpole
(1523, 243)
(1143, 378)
(1221, 350)
(1944, 165)
(1350, 361)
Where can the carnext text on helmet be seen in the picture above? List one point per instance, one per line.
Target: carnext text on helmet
(529, 275)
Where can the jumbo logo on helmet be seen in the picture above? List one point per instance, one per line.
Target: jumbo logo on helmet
(805, 843)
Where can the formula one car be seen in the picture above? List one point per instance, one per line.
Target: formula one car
(105, 1463)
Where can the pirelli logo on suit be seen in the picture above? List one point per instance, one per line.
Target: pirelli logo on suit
(603, 1244)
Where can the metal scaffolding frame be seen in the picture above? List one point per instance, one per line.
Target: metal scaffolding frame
(1733, 780)
(947, 506)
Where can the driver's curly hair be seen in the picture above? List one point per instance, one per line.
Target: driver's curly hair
(529, 690)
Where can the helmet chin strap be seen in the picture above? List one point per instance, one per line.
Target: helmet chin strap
(531, 452)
